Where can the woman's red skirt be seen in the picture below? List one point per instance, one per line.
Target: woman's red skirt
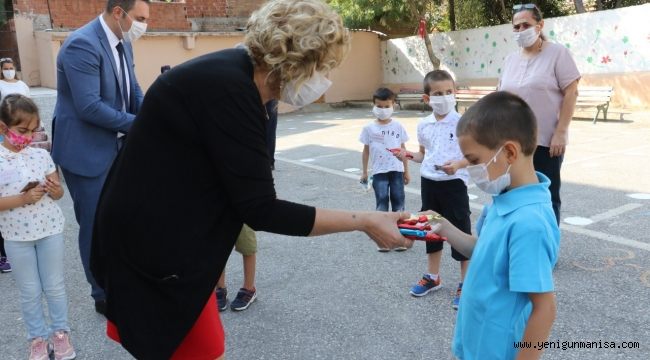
(205, 341)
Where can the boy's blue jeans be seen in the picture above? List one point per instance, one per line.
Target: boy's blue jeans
(389, 187)
(37, 269)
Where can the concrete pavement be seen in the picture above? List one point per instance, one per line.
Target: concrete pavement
(335, 297)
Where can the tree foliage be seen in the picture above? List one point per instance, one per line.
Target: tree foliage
(400, 17)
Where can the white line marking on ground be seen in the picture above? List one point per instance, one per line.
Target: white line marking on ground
(570, 228)
(606, 237)
(578, 221)
(639, 196)
(615, 212)
(330, 155)
(615, 152)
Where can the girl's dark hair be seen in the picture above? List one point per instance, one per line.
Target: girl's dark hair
(6, 61)
(12, 105)
(499, 117)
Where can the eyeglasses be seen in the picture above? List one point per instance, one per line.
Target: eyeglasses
(6, 59)
(518, 7)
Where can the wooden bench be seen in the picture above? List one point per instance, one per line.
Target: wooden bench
(466, 96)
(595, 96)
(588, 97)
(410, 95)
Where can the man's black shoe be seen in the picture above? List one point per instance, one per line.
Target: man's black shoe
(100, 307)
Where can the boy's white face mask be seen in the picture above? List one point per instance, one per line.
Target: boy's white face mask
(442, 105)
(309, 92)
(382, 113)
(479, 174)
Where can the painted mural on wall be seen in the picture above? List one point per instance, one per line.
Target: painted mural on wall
(604, 42)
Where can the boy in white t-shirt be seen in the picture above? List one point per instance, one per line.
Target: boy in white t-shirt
(444, 178)
(389, 173)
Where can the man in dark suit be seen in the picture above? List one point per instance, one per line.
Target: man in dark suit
(98, 97)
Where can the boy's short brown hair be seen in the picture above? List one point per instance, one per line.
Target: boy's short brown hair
(497, 118)
(433, 76)
(383, 94)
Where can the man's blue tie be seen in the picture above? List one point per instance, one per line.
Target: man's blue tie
(125, 94)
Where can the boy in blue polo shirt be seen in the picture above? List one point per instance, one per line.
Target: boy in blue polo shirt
(508, 291)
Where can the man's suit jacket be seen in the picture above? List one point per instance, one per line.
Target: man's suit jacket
(88, 113)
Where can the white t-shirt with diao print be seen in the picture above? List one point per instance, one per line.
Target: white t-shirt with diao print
(380, 138)
(29, 222)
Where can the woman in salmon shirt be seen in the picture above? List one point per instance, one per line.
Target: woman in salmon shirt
(544, 74)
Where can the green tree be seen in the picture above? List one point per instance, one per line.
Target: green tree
(400, 17)
(396, 17)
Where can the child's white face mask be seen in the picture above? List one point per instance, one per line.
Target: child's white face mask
(382, 113)
(309, 92)
(442, 105)
(479, 174)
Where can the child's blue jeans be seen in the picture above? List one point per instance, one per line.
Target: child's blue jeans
(37, 269)
(389, 187)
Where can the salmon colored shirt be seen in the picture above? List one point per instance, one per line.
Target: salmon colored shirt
(539, 80)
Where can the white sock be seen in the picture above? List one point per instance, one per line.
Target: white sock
(433, 277)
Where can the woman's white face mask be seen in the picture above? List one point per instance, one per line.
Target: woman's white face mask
(309, 92)
(527, 37)
(9, 74)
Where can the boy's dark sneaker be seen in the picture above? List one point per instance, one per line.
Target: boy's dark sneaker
(425, 286)
(456, 300)
(244, 299)
(5, 267)
(222, 299)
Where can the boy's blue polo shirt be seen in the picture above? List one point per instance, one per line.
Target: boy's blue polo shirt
(516, 250)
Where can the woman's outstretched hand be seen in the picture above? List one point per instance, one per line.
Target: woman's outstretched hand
(382, 228)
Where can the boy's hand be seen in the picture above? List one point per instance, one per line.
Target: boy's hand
(407, 178)
(33, 195)
(53, 188)
(402, 154)
(450, 167)
(364, 178)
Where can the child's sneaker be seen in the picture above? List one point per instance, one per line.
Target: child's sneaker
(39, 349)
(5, 267)
(426, 285)
(244, 299)
(63, 350)
(381, 249)
(456, 300)
(222, 299)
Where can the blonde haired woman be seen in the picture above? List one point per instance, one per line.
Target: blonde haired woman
(195, 168)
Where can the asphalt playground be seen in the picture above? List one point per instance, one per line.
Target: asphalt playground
(336, 297)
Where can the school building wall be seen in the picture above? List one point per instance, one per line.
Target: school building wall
(608, 47)
(179, 15)
(358, 76)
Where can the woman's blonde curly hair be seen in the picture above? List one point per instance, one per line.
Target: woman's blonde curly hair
(295, 38)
